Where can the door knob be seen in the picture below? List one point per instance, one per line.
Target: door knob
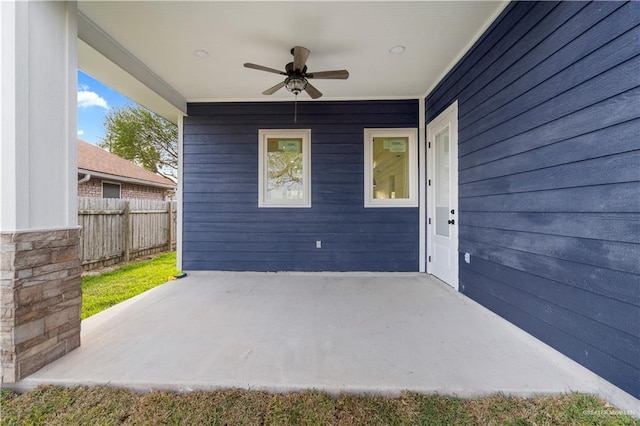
(451, 222)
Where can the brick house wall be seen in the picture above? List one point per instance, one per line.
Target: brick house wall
(129, 190)
(93, 188)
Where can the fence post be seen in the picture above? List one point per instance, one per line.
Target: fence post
(126, 220)
(170, 225)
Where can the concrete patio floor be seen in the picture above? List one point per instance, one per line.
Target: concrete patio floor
(380, 333)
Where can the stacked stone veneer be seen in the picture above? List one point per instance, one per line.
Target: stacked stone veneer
(41, 299)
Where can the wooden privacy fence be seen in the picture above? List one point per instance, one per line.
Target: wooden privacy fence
(117, 230)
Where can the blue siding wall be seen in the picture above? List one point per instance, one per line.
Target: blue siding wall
(225, 230)
(549, 171)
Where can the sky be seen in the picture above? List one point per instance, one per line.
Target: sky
(94, 101)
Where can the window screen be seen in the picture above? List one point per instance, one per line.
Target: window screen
(110, 190)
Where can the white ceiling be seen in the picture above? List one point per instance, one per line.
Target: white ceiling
(355, 36)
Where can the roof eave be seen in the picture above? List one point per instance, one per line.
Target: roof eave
(126, 179)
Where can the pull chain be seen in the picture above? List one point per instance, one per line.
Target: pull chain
(295, 109)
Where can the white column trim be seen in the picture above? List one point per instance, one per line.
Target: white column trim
(8, 93)
(72, 112)
(422, 215)
(180, 194)
(38, 101)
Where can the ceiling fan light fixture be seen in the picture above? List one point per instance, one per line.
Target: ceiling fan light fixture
(297, 75)
(295, 84)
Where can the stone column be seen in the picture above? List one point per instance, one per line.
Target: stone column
(41, 293)
(40, 285)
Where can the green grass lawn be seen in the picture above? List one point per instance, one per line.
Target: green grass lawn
(102, 405)
(100, 292)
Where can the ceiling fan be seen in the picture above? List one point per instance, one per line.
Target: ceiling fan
(297, 76)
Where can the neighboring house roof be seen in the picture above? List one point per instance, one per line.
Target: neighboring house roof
(100, 163)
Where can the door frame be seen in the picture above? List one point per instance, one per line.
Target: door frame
(450, 114)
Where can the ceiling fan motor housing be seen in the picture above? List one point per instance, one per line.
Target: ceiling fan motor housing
(289, 69)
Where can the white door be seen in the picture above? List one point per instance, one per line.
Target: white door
(442, 196)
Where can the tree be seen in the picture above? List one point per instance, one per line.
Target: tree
(285, 169)
(140, 136)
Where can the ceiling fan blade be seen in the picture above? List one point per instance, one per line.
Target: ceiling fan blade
(337, 74)
(300, 55)
(274, 89)
(263, 68)
(312, 91)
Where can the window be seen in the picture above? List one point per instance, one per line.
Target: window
(390, 172)
(284, 168)
(110, 190)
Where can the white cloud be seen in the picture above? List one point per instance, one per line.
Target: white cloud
(80, 132)
(87, 99)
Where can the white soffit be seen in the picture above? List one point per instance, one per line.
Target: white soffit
(356, 36)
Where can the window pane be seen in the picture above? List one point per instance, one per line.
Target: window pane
(110, 190)
(390, 168)
(284, 169)
(442, 182)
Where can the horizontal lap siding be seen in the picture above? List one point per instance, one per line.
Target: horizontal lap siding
(225, 230)
(549, 177)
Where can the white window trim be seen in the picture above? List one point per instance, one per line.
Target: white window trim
(263, 136)
(110, 183)
(412, 135)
